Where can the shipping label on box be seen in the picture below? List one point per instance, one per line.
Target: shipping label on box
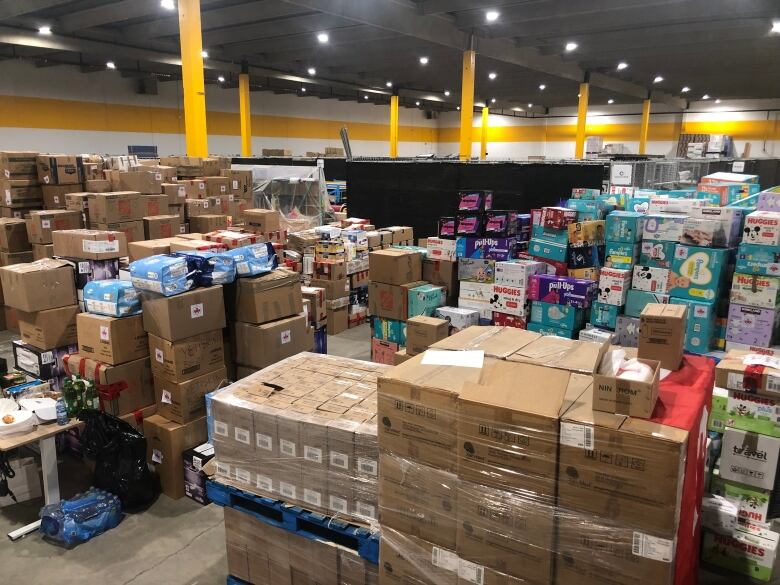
(762, 227)
(476, 270)
(509, 299)
(746, 412)
(758, 259)
(657, 254)
(752, 325)
(621, 255)
(755, 290)
(665, 228)
(613, 286)
(696, 272)
(650, 279)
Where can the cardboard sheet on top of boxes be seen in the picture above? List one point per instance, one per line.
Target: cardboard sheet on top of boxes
(304, 431)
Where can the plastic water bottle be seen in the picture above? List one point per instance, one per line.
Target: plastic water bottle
(62, 412)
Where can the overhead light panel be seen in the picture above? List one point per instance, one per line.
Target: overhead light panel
(204, 54)
(517, 109)
(221, 79)
(610, 101)
(323, 37)
(706, 96)
(365, 97)
(311, 71)
(389, 84)
(303, 90)
(542, 86)
(492, 75)
(571, 46)
(775, 27)
(622, 65)
(423, 60)
(110, 65)
(491, 15)
(44, 30)
(658, 79)
(447, 92)
(416, 103)
(530, 105)
(685, 89)
(457, 108)
(492, 100)
(717, 101)
(168, 4)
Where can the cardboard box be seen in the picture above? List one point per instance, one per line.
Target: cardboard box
(337, 320)
(330, 269)
(20, 194)
(10, 258)
(13, 235)
(133, 230)
(181, 244)
(389, 301)
(131, 380)
(60, 169)
(138, 250)
(240, 183)
(406, 559)
(47, 365)
(424, 299)
(111, 340)
(74, 202)
(457, 318)
(395, 266)
(316, 296)
(175, 192)
(185, 315)
(262, 221)
(749, 458)
(752, 555)
(115, 207)
(637, 300)
(208, 223)
(744, 411)
(41, 251)
(401, 356)
(476, 270)
(749, 371)
(624, 396)
(49, 328)
(140, 181)
(185, 359)
(664, 227)
(762, 227)
(662, 331)
(185, 401)
(90, 244)
(268, 297)
(613, 286)
(166, 441)
(161, 226)
(423, 331)
(752, 325)
(41, 285)
(383, 352)
(334, 289)
(153, 205)
(755, 290)
(195, 475)
(41, 224)
(263, 345)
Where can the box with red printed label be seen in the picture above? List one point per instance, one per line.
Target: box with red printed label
(650, 279)
(511, 300)
(504, 320)
(755, 290)
(558, 217)
(441, 249)
(762, 227)
(613, 286)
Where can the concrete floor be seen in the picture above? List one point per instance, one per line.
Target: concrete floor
(173, 542)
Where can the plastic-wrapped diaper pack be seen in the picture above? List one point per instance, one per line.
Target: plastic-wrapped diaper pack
(254, 260)
(165, 274)
(210, 267)
(115, 298)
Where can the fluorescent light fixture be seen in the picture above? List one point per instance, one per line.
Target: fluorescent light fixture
(480, 104)
(542, 86)
(775, 27)
(416, 103)
(571, 47)
(658, 79)
(706, 96)
(717, 101)
(323, 37)
(110, 65)
(44, 30)
(491, 15)
(423, 60)
(492, 100)
(492, 75)
(389, 84)
(458, 108)
(530, 105)
(518, 110)
(221, 79)
(365, 97)
(303, 90)
(622, 65)
(312, 71)
(204, 53)
(610, 101)
(168, 4)
(447, 92)
(685, 89)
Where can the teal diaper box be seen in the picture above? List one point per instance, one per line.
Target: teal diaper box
(697, 272)
(758, 259)
(624, 226)
(425, 299)
(638, 203)
(604, 315)
(637, 299)
(540, 232)
(563, 316)
(621, 255)
(389, 330)
(656, 254)
(701, 324)
(549, 250)
(550, 330)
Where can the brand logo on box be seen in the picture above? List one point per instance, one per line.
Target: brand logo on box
(753, 398)
(762, 221)
(742, 546)
(750, 453)
(196, 311)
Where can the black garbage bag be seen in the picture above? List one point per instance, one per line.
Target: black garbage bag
(119, 451)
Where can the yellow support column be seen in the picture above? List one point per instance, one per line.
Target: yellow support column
(645, 127)
(245, 110)
(582, 118)
(483, 141)
(393, 126)
(192, 78)
(467, 102)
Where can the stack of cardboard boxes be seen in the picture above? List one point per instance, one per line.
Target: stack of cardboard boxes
(14, 242)
(58, 175)
(41, 225)
(19, 183)
(330, 274)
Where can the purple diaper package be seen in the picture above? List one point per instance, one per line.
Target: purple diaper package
(752, 325)
(470, 224)
(561, 290)
(475, 200)
(486, 248)
(447, 227)
(500, 224)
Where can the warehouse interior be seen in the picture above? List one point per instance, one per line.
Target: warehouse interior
(390, 292)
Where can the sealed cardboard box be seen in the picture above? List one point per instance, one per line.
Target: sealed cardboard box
(240, 183)
(750, 372)
(185, 401)
(75, 202)
(422, 332)
(334, 289)
(90, 244)
(161, 226)
(191, 313)
(132, 382)
(263, 345)
(208, 223)
(662, 334)
(749, 458)
(111, 340)
(742, 552)
(41, 224)
(626, 396)
(187, 358)
(153, 205)
(9, 258)
(97, 186)
(141, 181)
(165, 443)
(40, 285)
(13, 235)
(217, 186)
(175, 192)
(132, 230)
(47, 365)
(394, 266)
(49, 328)
(41, 251)
(268, 297)
(56, 196)
(20, 193)
(337, 320)
(60, 169)
(406, 559)
(262, 220)
(316, 296)
(115, 207)
(19, 164)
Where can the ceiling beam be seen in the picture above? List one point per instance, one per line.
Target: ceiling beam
(14, 8)
(309, 22)
(441, 6)
(404, 19)
(111, 13)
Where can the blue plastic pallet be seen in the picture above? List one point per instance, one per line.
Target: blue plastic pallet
(231, 580)
(302, 522)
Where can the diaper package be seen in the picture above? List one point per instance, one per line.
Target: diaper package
(115, 298)
(254, 260)
(210, 267)
(164, 273)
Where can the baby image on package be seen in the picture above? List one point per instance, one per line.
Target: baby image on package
(696, 272)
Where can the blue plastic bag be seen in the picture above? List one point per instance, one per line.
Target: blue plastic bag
(82, 517)
(210, 267)
(115, 298)
(166, 274)
(254, 260)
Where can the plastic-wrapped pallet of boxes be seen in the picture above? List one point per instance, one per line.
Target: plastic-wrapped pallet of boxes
(303, 431)
(486, 479)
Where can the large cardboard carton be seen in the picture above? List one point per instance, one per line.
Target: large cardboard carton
(41, 224)
(191, 313)
(208, 223)
(41, 251)
(406, 559)
(49, 328)
(337, 320)
(262, 345)
(152, 205)
(662, 334)
(60, 169)
(185, 401)
(89, 244)
(13, 235)
(40, 285)
(422, 332)
(115, 207)
(140, 181)
(132, 230)
(183, 360)
(498, 342)
(749, 458)
(749, 372)
(240, 183)
(138, 250)
(262, 220)
(626, 396)
(9, 258)
(394, 266)
(268, 297)
(165, 443)
(390, 301)
(334, 289)
(111, 340)
(161, 226)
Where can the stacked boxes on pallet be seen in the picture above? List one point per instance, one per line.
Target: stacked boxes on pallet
(20, 183)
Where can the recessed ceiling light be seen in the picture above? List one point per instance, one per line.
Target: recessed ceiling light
(221, 79)
(658, 79)
(492, 75)
(303, 89)
(423, 60)
(168, 4)
(110, 65)
(717, 101)
(389, 84)
(492, 100)
(491, 15)
(622, 65)
(323, 37)
(312, 71)
(542, 86)
(44, 30)
(571, 47)
(447, 92)
(457, 108)
(365, 97)
(775, 27)
(517, 109)
(204, 54)
(416, 103)
(530, 105)
(706, 96)
(610, 101)
(685, 89)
